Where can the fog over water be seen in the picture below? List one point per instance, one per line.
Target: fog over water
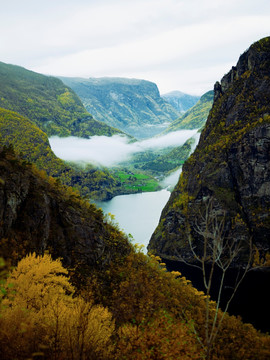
(109, 151)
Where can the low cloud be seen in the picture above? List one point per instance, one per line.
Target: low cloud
(110, 151)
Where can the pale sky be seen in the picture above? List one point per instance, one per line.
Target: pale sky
(184, 45)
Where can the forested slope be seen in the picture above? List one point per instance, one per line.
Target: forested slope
(119, 303)
(33, 145)
(195, 117)
(46, 101)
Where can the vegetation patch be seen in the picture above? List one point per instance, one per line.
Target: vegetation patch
(136, 182)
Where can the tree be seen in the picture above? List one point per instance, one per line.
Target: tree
(39, 311)
(216, 253)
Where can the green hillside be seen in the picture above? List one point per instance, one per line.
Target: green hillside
(33, 145)
(195, 117)
(50, 104)
(162, 162)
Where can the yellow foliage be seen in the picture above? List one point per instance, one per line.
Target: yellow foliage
(259, 261)
(159, 339)
(35, 281)
(39, 310)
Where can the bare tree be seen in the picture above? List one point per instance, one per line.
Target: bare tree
(215, 251)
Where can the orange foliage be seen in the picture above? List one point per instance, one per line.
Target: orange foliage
(38, 311)
(162, 338)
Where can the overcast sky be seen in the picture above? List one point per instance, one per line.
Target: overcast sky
(179, 44)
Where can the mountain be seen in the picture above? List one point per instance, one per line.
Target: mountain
(195, 117)
(230, 165)
(33, 145)
(38, 214)
(218, 214)
(180, 101)
(46, 101)
(50, 304)
(131, 105)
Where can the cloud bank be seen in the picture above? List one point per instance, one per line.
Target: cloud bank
(110, 151)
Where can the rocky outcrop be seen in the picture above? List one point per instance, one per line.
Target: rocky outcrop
(231, 164)
(37, 214)
(131, 105)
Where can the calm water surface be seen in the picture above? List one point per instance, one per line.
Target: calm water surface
(137, 214)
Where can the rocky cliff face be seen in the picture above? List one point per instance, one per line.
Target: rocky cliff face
(131, 105)
(231, 165)
(37, 214)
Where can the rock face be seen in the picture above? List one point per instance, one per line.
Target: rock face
(231, 164)
(131, 105)
(37, 215)
(180, 101)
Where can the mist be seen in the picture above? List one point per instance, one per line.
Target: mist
(110, 151)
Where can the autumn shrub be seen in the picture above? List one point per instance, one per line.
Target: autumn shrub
(147, 290)
(38, 311)
(154, 314)
(161, 338)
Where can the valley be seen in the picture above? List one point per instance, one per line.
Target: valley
(128, 227)
(136, 166)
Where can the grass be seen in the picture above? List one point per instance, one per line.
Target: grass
(137, 181)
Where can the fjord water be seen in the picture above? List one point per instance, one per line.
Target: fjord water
(137, 214)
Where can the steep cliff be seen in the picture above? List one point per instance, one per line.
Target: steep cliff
(37, 214)
(131, 105)
(229, 166)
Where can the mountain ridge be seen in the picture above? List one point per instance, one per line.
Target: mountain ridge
(132, 105)
(47, 102)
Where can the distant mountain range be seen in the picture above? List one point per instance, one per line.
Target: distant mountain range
(180, 101)
(131, 105)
